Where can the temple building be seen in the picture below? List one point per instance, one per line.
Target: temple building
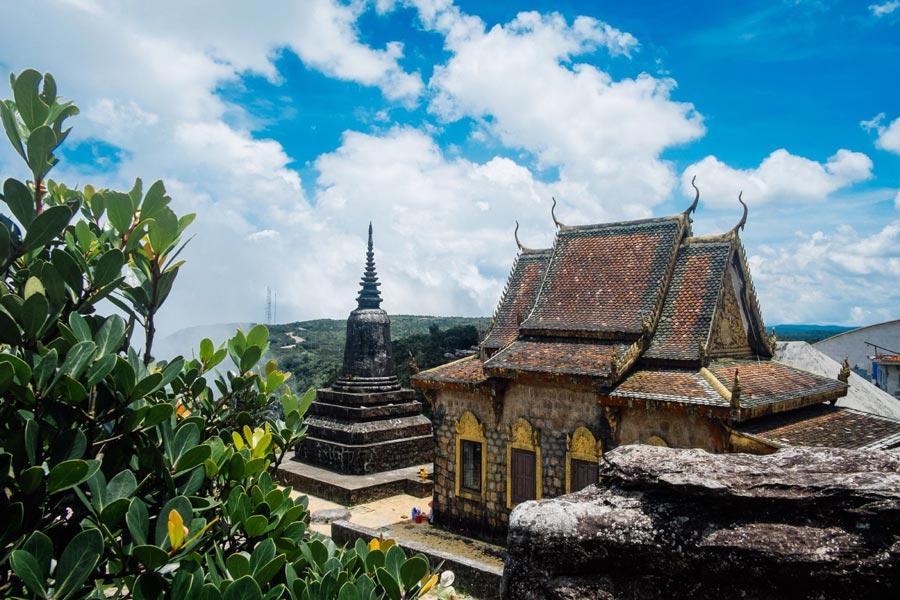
(365, 422)
(621, 333)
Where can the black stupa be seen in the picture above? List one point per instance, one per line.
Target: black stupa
(365, 422)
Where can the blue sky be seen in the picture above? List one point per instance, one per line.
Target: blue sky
(288, 128)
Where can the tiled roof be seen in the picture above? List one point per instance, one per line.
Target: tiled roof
(687, 387)
(467, 371)
(768, 382)
(887, 358)
(824, 425)
(521, 290)
(590, 358)
(603, 278)
(690, 301)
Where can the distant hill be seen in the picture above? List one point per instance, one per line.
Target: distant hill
(807, 333)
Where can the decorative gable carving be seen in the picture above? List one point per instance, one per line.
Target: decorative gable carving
(729, 334)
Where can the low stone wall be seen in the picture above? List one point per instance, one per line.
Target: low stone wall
(475, 577)
(666, 523)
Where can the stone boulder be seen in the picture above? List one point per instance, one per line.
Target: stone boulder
(665, 523)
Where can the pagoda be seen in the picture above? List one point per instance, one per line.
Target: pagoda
(365, 422)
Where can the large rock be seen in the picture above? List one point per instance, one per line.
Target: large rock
(667, 523)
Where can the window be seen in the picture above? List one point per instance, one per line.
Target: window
(471, 457)
(471, 467)
(523, 464)
(583, 453)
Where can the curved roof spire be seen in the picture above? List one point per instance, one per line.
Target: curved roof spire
(743, 220)
(553, 214)
(369, 296)
(518, 243)
(693, 206)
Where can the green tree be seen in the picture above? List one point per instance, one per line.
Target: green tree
(123, 476)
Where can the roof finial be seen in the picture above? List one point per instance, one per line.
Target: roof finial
(736, 391)
(693, 206)
(518, 243)
(553, 214)
(743, 220)
(369, 296)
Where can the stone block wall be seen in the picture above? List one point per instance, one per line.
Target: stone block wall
(553, 411)
(678, 429)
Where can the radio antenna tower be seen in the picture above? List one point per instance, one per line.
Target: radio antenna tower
(268, 305)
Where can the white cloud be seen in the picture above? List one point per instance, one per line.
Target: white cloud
(521, 82)
(888, 135)
(781, 176)
(824, 277)
(884, 8)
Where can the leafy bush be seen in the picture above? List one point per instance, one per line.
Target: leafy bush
(123, 476)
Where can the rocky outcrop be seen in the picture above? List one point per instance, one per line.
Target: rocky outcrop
(667, 523)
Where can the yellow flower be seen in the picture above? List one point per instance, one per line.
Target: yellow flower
(177, 530)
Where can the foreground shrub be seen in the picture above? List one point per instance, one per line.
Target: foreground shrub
(122, 475)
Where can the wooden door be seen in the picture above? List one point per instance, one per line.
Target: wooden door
(523, 476)
(584, 473)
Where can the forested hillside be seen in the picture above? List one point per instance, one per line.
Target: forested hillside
(312, 351)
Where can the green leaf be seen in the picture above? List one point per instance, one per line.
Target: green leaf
(306, 401)
(46, 226)
(30, 479)
(163, 231)
(20, 201)
(192, 458)
(77, 359)
(138, 521)
(412, 571)
(244, 588)
(255, 525)
(77, 561)
(41, 548)
(29, 104)
(80, 327)
(152, 557)
(70, 473)
(32, 441)
(120, 211)
(121, 486)
(390, 585)
(150, 586)
(147, 385)
(68, 269)
(100, 369)
(111, 334)
(249, 358)
(154, 201)
(238, 564)
(108, 267)
(349, 592)
(38, 149)
(11, 125)
(258, 336)
(157, 414)
(21, 370)
(45, 368)
(29, 571)
(35, 311)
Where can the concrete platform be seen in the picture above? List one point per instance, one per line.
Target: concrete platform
(478, 566)
(349, 490)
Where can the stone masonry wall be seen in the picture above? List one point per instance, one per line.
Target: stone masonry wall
(555, 411)
(677, 429)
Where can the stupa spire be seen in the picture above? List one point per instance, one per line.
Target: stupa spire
(369, 296)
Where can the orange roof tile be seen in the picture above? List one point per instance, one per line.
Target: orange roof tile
(522, 289)
(824, 425)
(768, 381)
(591, 358)
(669, 386)
(603, 278)
(467, 371)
